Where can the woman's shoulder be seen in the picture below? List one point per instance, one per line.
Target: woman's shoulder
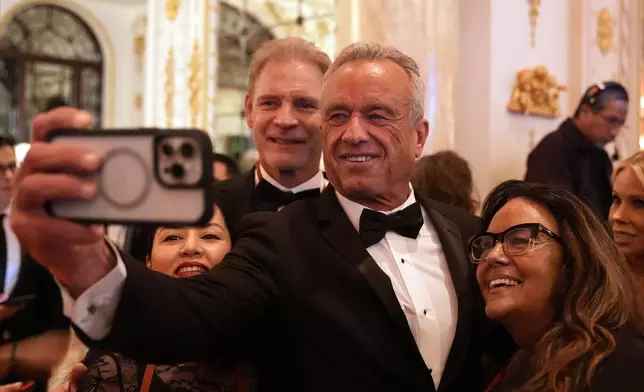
(622, 370)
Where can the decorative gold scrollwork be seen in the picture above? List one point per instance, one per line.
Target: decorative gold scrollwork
(172, 9)
(169, 87)
(195, 83)
(604, 31)
(534, 14)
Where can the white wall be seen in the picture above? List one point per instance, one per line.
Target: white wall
(511, 51)
(113, 25)
(494, 45)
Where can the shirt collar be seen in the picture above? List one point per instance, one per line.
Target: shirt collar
(315, 182)
(354, 210)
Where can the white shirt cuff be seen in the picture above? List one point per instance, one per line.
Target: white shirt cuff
(93, 312)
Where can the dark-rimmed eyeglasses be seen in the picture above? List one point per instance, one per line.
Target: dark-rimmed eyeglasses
(515, 240)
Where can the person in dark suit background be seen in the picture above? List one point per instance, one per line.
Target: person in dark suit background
(573, 155)
(34, 335)
(224, 167)
(364, 288)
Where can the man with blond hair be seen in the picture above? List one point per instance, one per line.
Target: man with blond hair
(282, 107)
(364, 288)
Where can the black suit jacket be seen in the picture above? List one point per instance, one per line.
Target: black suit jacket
(235, 199)
(302, 282)
(43, 314)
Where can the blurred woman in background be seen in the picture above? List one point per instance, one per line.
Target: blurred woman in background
(445, 177)
(627, 213)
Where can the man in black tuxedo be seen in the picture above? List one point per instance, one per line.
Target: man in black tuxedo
(362, 289)
(38, 324)
(282, 108)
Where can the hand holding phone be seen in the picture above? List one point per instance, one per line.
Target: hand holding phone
(148, 176)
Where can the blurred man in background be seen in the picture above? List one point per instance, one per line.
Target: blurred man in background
(573, 156)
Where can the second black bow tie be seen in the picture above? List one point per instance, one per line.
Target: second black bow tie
(374, 225)
(270, 198)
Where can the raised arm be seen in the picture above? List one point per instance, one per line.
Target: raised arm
(161, 319)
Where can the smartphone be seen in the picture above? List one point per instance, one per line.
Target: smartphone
(148, 177)
(18, 300)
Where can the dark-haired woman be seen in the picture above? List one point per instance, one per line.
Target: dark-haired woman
(561, 296)
(180, 253)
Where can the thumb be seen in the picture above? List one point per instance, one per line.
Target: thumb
(76, 376)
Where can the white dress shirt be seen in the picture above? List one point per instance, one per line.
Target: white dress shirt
(13, 255)
(422, 283)
(317, 181)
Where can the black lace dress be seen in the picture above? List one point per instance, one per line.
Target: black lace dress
(112, 372)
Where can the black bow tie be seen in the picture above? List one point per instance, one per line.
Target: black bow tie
(374, 225)
(269, 198)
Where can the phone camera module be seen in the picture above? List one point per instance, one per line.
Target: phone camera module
(167, 149)
(177, 171)
(187, 151)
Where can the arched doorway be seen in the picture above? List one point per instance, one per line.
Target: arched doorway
(48, 57)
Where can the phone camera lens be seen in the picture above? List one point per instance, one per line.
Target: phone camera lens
(167, 149)
(177, 171)
(187, 151)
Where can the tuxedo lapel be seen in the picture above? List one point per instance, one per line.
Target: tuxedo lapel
(235, 198)
(338, 231)
(452, 244)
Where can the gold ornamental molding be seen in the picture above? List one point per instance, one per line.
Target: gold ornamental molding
(195, 85)
(605, 32)
(536, 92)
(534, 14)
(172, 9)
(169, 87)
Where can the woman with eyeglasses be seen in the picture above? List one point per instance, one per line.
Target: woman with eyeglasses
(561, 300)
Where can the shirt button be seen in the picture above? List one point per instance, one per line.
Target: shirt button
(402, 260)
(425, 312)
(91, 309)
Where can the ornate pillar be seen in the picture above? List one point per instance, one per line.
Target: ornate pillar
(181, 64)
(425, 30)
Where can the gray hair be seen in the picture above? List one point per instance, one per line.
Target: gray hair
(361, 51)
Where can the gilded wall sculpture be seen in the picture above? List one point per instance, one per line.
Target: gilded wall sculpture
(536, 92)
(604, 31)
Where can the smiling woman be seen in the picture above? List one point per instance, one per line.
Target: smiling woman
(627, 212)
(561, 299)
(180, 253)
